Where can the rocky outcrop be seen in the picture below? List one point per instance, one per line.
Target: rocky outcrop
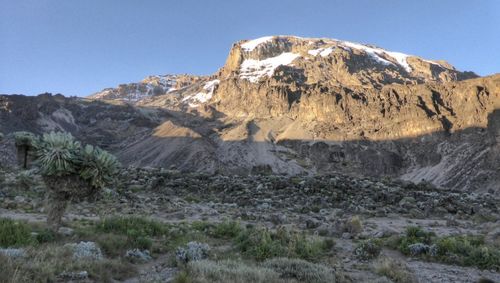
(147, 88)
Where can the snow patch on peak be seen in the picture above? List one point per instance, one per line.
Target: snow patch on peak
(401, 58)
(375, 53)
(252, 44)
(321, 51)
(252, 70)
(314, 52)
(326, 51)
(205, 95)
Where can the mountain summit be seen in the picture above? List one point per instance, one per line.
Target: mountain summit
(306, 61)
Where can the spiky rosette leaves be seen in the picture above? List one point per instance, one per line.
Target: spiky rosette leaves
(58, 154)
(23, 138)
(98, 166)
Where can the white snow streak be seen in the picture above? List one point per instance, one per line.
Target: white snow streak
(203, 96)
(253, 70)
(375, 53)
(250, 45)
(315, 52)
(321, 51)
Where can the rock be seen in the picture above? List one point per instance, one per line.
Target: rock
(277, 218)
(346, 235)
(85, 251)
(139, 255)
(312, 223)
(13, 252)
(19, 199)
(416, 213)
(81, 275)
(387, 232)
(66, 231)
(418, 249)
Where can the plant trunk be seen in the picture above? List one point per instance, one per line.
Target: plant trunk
(57, 206)
(25, 161)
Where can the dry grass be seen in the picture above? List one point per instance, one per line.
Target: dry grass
(206, 271)
(394, 270)
(46, 263)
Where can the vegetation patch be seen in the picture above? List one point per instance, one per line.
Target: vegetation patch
(227, 271)
(368, 249)
(14, 233)
(301, 270)
(224, 230)
(461, 250)
(49, 263)
(262, 244)
(394, 270)
(121, 233)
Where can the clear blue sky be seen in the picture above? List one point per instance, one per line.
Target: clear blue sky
(79, 47)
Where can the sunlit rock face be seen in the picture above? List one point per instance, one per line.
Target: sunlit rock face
(295, 106)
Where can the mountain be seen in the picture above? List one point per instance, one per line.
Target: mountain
(295, 106)
(147, 88)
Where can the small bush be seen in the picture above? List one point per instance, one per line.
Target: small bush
(139, 231)
(301, 270)
(368, 249)
(354, 225)
(113, 245)
(46, 236)
(394, 270)
(262, 244)
(193, 251)
(183, 233)
(414, 235)
(182, 277)
(201, 226)
(14, 233)
(226, 229)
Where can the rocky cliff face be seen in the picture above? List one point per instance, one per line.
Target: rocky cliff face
(147, 88)
(295, 105)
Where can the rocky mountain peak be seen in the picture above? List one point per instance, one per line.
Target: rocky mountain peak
(149, 87)
(337, 61)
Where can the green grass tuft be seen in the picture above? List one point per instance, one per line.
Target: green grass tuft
(262, 244)
(14, 233)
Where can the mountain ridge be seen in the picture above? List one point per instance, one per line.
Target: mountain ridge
(295, 106)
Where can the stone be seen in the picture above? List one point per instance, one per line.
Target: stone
(277, 218)
(80, 275)
(85, 251)
(13, 252)
(312, 223)
(346, 235)
(137, 254)
(66, 231)
(418, 249)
